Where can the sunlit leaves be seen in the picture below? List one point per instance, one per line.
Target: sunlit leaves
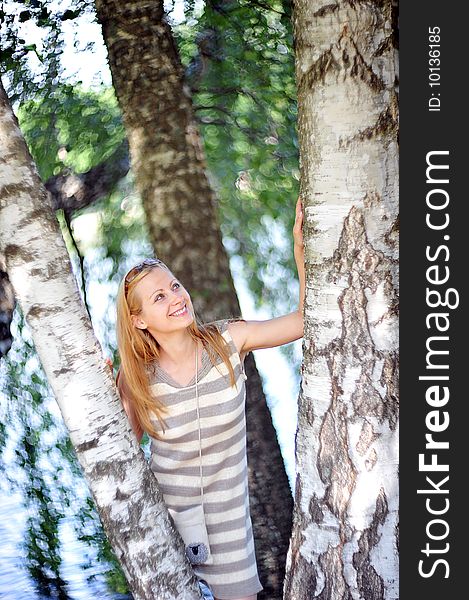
(71, 128)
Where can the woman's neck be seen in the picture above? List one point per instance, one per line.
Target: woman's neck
(176, 349)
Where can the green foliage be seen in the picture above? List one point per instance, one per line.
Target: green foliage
(71, 128)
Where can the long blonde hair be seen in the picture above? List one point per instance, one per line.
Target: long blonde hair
(138, 348)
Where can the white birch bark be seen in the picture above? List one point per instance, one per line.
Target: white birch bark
(125, 490)
(344, 543)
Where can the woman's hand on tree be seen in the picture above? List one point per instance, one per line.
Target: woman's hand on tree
(298, 242)
(299, 252)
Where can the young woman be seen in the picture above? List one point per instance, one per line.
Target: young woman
(184, 384)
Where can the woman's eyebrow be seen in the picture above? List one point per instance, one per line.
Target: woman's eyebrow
(161, 289)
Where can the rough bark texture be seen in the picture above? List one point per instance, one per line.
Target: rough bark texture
(170, 172)
(344, 543)
(124, 488)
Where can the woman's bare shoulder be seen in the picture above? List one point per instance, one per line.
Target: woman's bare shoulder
(237, 330)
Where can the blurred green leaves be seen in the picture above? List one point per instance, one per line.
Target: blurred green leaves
(71, 128)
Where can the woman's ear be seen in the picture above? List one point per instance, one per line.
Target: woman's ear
(138, 322)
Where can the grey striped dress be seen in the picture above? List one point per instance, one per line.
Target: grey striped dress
(175, 462)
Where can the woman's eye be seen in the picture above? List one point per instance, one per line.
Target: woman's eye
(175, 285)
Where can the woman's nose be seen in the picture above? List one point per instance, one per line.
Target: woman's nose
(175, 295)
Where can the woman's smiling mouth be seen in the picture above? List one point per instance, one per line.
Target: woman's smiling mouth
(179, 313)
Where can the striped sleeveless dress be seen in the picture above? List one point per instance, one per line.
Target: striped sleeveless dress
(175, 462)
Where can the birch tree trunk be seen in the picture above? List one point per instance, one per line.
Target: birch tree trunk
(124, 488)
(170, 172)
(345, 532)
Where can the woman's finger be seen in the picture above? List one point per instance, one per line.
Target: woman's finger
(299, 214)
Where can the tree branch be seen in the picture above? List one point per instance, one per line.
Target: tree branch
(72, 191)
(68, 221)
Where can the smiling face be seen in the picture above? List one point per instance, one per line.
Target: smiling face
(165, 304)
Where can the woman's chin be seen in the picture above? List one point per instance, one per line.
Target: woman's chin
(183, 320)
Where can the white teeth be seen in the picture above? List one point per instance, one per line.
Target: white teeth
(178, 312)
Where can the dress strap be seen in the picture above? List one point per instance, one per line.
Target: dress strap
(198, 419)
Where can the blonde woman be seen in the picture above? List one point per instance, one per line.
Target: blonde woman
(183, 383)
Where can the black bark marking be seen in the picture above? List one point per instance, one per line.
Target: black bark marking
(335, 468)
(326, 10)
(41, 312)
(304, 572)
(85, 446)
(334, 465)
(387, 45)
(335, 585)
(15, 253)
(120, 495)
(307, 408)
(390, 380)
(356, 64)
(315, 510)
(52, 270)
(7, 306)
(367, 268)
(371, 460)
(356, 339)
(354, 254)
(391, 237)
(370, 584)
(366, 400)
(386, 125)
(318, 70)
(43, 211)
(300, 567)
(367, 437)
(396, 535)
(13, 190)
(116, 469)
(61, 371)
